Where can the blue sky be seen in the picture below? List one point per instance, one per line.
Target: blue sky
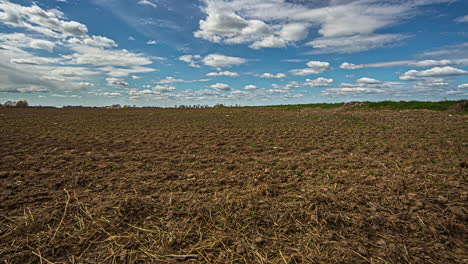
(248, 52)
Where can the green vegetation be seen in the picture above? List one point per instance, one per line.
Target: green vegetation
(401, 105)
(300, 106)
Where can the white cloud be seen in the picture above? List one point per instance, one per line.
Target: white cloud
(366, 80)
(406, 63)
(432, 63)
(103, 57)
(351, 44)
(35, 18)
(294, 31)
(170, 79)
(111, 94)
(463, 19)
(269, 42)
(116, 82)
(463, 86)
(221, 61)
(22, 71)
(135, 77)
(319, 82)
(221, 87)
(250, 87)
(42, 44)
(269, 75)
(152, 42)
(96, 41)
(222, 25)
(192, 60)
(456, 52)
(21, 40)
(147, 2)
(161, 88)
(314, 67)
(24, 61)
(66, 96)
(350, 66)
(124, 72)
(49, 22)
(434, 72)
(86, 84)
(344, 26)
(223, 73)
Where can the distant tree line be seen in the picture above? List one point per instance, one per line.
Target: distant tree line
(191, 106)
(14, 104)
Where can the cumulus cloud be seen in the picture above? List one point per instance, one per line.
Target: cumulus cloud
(457, 52)
(407, 63)
(192, 60)
(269, 42)
(294, 31)
(20, 40)
(22, 71)
(366, 80)
(116, 82)
(24, 61)
(96, 41)
(48, 22)
(314, 67)
(42, 44)
(223, 73)
(350, 66)
(319, 82)
(250, 87)
(221, 87)
(86, 84)
(351, 44)
(151, 42)
(269, 75)
(161, 88)
(105, 57)
(111, 94)
(463, 19)
(170, 79)
(221, 61)
(432, 63)
(463, 86)
(225, 26)
(66, 96)
(124, 72)
(343, 26)
(434, 72)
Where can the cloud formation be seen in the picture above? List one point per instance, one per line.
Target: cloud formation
(434, 72)
(275, 76)
(223, 73)
(314, 67)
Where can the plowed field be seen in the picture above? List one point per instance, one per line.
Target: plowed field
(233, 185)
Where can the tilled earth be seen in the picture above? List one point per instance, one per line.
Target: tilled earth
(233, 185)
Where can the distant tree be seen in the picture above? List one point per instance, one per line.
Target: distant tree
(22, 104)
(10, 104)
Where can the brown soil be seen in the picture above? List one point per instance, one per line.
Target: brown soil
(232, 185)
